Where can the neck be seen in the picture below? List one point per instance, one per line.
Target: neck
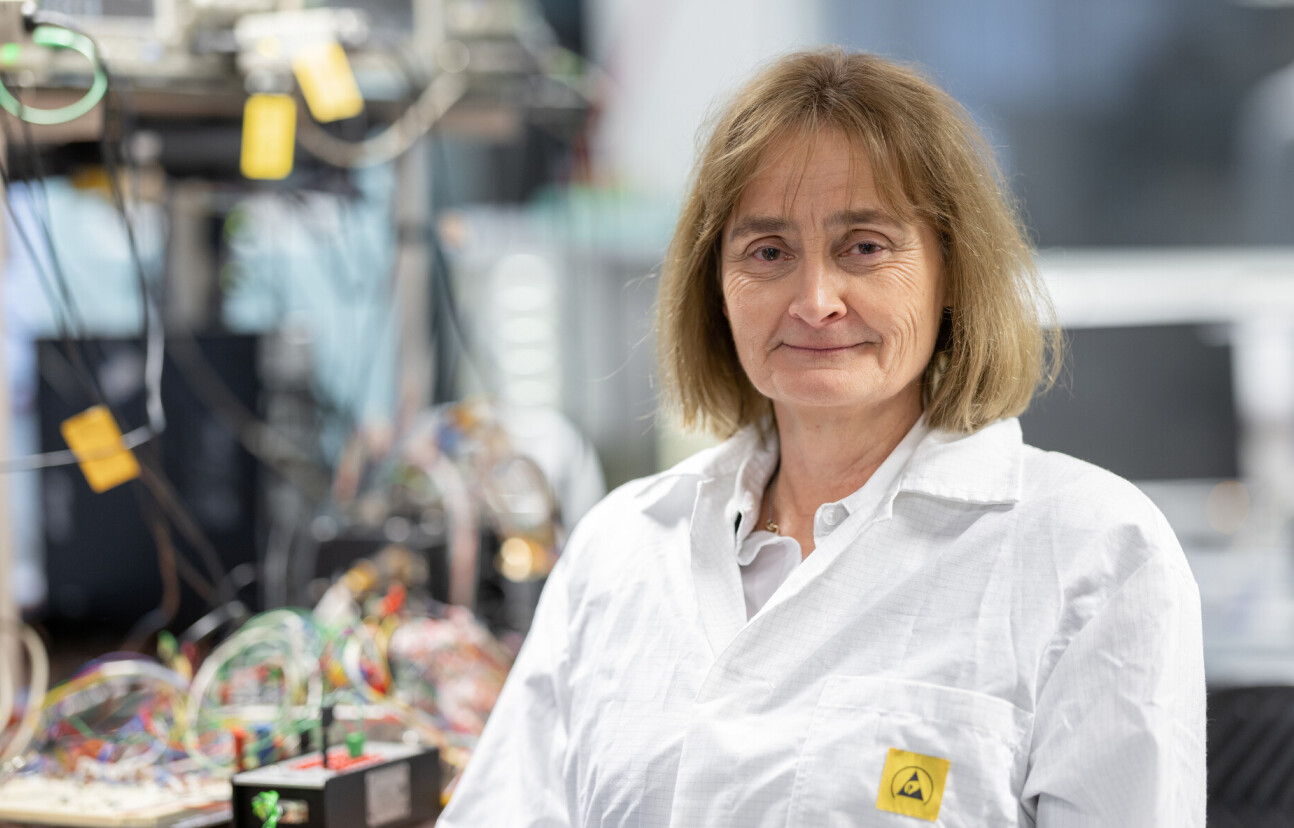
(825, 456)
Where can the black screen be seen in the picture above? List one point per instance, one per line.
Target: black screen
(1150, 402)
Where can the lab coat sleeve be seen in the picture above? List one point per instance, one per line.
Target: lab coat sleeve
(514, 777)
(1119, 727)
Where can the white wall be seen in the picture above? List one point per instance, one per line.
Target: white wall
(668, 61)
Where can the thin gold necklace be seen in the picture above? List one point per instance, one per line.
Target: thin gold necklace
(771, 525)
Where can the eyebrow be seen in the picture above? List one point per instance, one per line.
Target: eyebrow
(759, 225)
(871, 216)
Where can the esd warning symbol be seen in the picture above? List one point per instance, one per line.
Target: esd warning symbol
(912, 784)
(917, 786)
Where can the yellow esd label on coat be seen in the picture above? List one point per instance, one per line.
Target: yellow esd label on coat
(95, 439)
(327, 82)
(912, 784)
(269, 136)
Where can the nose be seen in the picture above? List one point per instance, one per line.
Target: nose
(818, 299)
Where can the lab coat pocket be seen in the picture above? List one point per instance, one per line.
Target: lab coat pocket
(893, 752)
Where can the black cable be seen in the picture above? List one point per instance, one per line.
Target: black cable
(39, 198)
(443, 290)
(445, 356)
(152, 334)
(157, 620)
(61, 320)
(305, 473)
(212, 387)
(34, 18)
(65, 314)
(151, 472)
(154, 480)
(446, 312)
(54, 285)
(159, 486)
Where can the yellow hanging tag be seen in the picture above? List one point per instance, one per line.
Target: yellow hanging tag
(327, 82)
(94, 438)
(269, 136)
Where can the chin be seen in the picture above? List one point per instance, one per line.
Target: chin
(826, 393)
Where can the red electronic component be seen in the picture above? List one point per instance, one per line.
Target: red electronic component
(339, 759)
(394, 600)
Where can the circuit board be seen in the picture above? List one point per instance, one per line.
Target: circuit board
(38, 800)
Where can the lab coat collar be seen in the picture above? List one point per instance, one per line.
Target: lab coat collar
(982, 468)
(722, 461)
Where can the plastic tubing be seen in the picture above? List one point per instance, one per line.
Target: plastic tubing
(36, 693)
(167, 681)
(264, 629)
(7, 691)
(59, 38)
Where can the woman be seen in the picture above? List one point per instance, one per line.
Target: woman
(872, 604)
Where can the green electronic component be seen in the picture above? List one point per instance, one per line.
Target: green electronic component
(355, 744)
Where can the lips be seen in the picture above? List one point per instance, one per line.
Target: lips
(825, 348)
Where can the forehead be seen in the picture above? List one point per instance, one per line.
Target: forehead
(816, 173)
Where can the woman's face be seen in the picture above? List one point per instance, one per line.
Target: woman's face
(833, 300)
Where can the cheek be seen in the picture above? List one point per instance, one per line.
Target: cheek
(743, 326)
(913, 317)
(924, 325)
(907, 304)
(742, 307)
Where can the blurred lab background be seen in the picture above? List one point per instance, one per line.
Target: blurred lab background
(430, 324)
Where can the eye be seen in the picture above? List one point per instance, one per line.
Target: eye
(768, 254)
(867, 248)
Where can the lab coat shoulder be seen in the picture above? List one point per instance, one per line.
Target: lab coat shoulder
(1100, 544)
(644, 517)
(1121, 684)
(629, 515)
(626, 563)
(1070, 533)
(1098, 528)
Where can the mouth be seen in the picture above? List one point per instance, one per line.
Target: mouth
(823, 350)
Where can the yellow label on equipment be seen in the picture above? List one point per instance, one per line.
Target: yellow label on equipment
(912, 784)
(269, 136)
(94, 438)
(327, 82)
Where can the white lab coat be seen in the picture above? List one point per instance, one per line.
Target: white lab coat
(1022, 614)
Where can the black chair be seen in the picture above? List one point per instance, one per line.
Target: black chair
(1251, 757)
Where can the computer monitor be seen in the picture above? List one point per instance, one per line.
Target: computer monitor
(1150, 402)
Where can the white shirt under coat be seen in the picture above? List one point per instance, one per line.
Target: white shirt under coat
(1025, 615)
(767, 558)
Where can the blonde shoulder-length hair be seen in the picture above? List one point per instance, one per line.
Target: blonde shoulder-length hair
(997, 343)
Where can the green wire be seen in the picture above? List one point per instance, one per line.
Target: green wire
(55, 37)
(265, 806)
(81, 727)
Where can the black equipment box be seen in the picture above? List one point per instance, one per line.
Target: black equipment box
(387, 786)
